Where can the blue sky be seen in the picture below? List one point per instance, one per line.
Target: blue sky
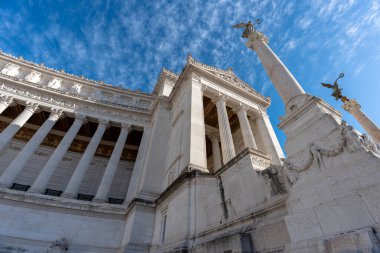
(128, 42)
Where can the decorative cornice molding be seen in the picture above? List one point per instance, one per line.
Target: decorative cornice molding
(227, 75)
(52, 71)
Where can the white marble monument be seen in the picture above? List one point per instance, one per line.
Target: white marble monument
(195, 166)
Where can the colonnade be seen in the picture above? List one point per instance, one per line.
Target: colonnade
(8, 177)
(225, 134)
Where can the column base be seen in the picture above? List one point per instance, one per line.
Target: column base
(99, 201)
(35, 191)
(67, 196)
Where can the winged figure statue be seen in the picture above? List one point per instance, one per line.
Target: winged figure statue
(337, 92)
(248, 27)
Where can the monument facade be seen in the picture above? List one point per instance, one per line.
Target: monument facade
(195, 166)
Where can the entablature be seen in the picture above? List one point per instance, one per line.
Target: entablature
(30, 73)
(23, 93)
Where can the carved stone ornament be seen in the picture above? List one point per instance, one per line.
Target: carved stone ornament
(351, 105)
(56, 112)
(227, 75)
(36, 96)
(55, 83)
(32, 106)
(76, 88)
(33, 77)
(11, 69)
(260, 161)
(6, 99)
(350, 140)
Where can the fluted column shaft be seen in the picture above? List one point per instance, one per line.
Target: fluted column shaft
(284, 82)
(81, 169)
(216, 158)
(5, 101)
(16, 124)
(51, 165)
(109, 173)
(228, 149)
(16, 166)
(246, 130)
(369, 126)
(137, 169)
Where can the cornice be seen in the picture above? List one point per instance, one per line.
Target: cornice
(71, 104)
(190, 66)
(165, 75)
(227, 75)
(72, 77)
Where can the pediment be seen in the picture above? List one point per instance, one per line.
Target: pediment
(227, 75)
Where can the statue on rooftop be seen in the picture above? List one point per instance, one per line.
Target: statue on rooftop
(249, 27)
(337, 92)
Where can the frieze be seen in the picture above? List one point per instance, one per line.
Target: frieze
(84, 109)
(36, 96)
(75, 90)
(350, 140)
(262, 162)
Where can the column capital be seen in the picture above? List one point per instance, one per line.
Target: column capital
(32, 106)
(81, 118)
(219, 97)
(351, 105)
(214, 137)
(6, 99)
(127, 126)
(241, 108)
(104, 123)
(256, 36)
(56, 113)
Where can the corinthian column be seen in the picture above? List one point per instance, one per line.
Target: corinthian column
(109, 173)
(51, 165)
(81, 169)
(5, 101)
(369, 126)
(228, 149)
(246, 130)
(16, 124)
(217, 160)
(22, 158)
(284, 82)
(138, 167)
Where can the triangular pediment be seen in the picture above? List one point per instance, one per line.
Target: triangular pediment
(227, 75)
